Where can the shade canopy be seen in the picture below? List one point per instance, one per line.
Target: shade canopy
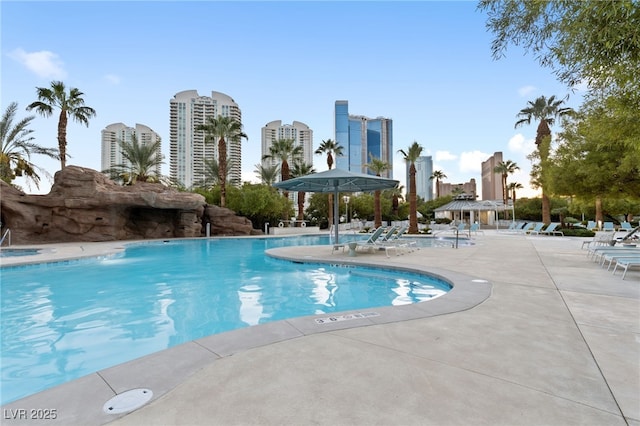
(336, 181)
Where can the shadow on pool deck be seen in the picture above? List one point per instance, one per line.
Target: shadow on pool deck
(556, 343)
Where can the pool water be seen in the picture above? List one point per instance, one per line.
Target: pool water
(63, 320)
(10, 252)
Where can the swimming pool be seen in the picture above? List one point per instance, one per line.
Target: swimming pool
(12, 252)
(64, 320)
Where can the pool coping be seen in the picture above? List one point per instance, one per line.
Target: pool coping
(81, 400)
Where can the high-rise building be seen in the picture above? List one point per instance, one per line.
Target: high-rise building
(113, 133)
(299, 132)
(491, 181)
(362, 137)
(187, 146)
(424, 170)
(465, 190)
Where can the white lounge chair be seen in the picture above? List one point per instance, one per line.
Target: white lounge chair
(551, 230)
(625, 264)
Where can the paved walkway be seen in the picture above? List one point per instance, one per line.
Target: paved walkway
(557, 342)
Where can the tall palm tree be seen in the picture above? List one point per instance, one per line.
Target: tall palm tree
(512, 187)
(142, 161)
(331, 148)
(16, 147)
(410, 157)
(546, 111)
(284, 150)
(301, 168)
(438, 175)
(70, 104)
(267, 174)
(505, 168)
(223, 129)
(377, 166)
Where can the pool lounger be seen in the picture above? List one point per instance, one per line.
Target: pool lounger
(625, 264)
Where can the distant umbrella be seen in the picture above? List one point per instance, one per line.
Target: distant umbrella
(336, 181)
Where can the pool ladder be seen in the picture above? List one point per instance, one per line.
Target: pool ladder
(7, 236)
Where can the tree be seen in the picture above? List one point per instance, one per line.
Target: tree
(331, 148)
(377, 166)
(595, 42)
(301, 168)
(284, 150)
(546, 111)
(396, 196)
(17, 147)
(223, 129)
(267, 174)
(512, 187)
(212, 173)
(142, 160)
(505, 168)
(71, 104)
(593, 160)
(438, 175)
(410, 157)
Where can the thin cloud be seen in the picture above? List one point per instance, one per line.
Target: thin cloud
(518, 144)
(471, 161)
(526, 90)
(445, 156)
(112, 78)
(43, 63)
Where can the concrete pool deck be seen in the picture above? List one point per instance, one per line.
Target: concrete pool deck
(550, 339)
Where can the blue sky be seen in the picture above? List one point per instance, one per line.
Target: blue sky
(426, 65)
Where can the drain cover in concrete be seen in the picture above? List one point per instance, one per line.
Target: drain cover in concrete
(127, 401)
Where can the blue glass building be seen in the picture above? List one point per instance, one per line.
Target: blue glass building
(362, 137)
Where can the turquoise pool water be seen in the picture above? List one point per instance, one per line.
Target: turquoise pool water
(61, 321)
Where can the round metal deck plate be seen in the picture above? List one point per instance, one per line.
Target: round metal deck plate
(127, 401)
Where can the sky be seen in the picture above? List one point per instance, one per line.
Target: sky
(427, 65)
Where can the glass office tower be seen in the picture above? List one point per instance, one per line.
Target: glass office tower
(362, 137)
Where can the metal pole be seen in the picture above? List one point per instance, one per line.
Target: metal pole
(336, 201)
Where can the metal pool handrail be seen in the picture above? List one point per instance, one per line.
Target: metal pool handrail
(7, 233)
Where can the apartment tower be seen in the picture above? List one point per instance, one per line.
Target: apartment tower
(299, 132)
(187, 147)
(110, 146)
(362, 137)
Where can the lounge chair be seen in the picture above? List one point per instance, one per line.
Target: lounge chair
(625, 264)
(625, 226)
(600, 239)
(475, 227)
(608, 226)
(536, 229)
(389, 235)
(398, 239)
(592, 225)
(373, 243)
(551, 230)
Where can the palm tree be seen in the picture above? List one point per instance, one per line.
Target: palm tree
(438, 175)
(222, 128)
(396, 196)
(377, 166)
(71, 104)
(267, 174)
(410, 157)
(505, 168)
(512, 187)
(284, 150)
(301, 168)
(331, 148)
(546, 111)
(142, 161)
(16, 148)
(212, 173)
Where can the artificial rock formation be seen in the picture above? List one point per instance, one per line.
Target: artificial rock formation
(85, 205)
